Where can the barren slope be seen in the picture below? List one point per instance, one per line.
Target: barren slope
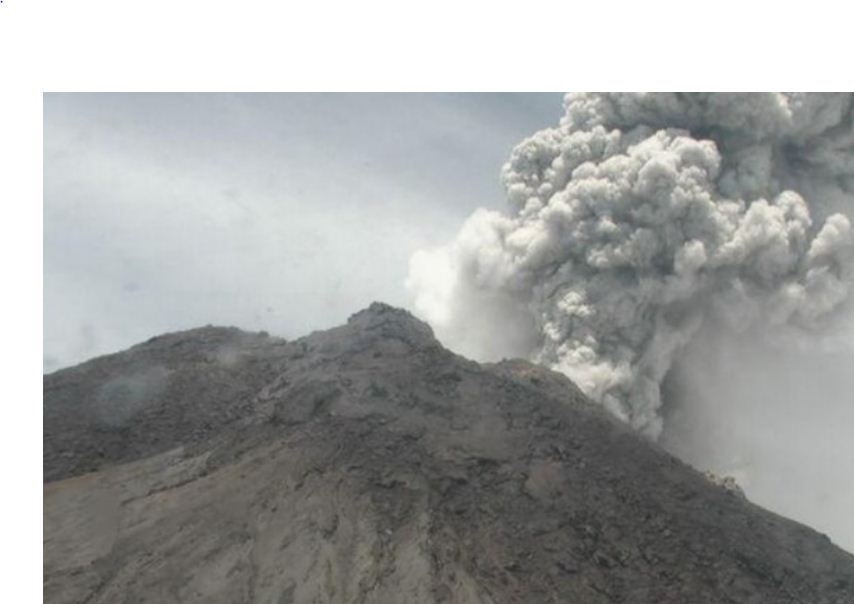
(368, 464)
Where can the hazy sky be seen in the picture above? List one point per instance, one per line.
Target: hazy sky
(283, 212)
(289, 212)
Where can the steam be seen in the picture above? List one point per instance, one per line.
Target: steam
(641, 222)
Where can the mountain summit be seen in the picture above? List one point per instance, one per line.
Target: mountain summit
(367, 463)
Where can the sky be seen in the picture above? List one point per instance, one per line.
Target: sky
(277, 212)
(290, 212)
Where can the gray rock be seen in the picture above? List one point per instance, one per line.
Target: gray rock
(368, 464)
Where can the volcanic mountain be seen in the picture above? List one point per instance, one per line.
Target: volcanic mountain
(369, 464)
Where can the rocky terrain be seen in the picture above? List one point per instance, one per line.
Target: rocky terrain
(368, 464)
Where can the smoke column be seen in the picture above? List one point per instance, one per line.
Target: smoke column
(667, 243)
(640, 219)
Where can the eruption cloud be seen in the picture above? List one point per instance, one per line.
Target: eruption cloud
(642, 221)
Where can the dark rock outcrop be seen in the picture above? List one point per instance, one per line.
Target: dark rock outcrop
(368, 464)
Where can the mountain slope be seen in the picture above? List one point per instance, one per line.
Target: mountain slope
(368, 464)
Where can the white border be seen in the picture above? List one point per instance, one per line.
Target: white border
(53, 45)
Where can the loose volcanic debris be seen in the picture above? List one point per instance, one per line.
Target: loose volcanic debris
(369, 464)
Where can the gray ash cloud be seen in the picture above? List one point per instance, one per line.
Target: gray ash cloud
(642, 220)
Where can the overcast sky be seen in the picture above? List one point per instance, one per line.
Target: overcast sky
(283, 212)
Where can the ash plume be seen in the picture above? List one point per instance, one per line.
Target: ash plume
(644, 220)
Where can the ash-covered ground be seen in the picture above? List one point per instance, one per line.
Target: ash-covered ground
(369, 464)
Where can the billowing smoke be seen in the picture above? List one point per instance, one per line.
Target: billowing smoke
(643, 221)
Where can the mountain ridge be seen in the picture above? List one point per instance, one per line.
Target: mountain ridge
(367, 463)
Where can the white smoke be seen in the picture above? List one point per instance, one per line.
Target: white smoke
(644, 220)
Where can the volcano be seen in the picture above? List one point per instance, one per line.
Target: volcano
(367, 463)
